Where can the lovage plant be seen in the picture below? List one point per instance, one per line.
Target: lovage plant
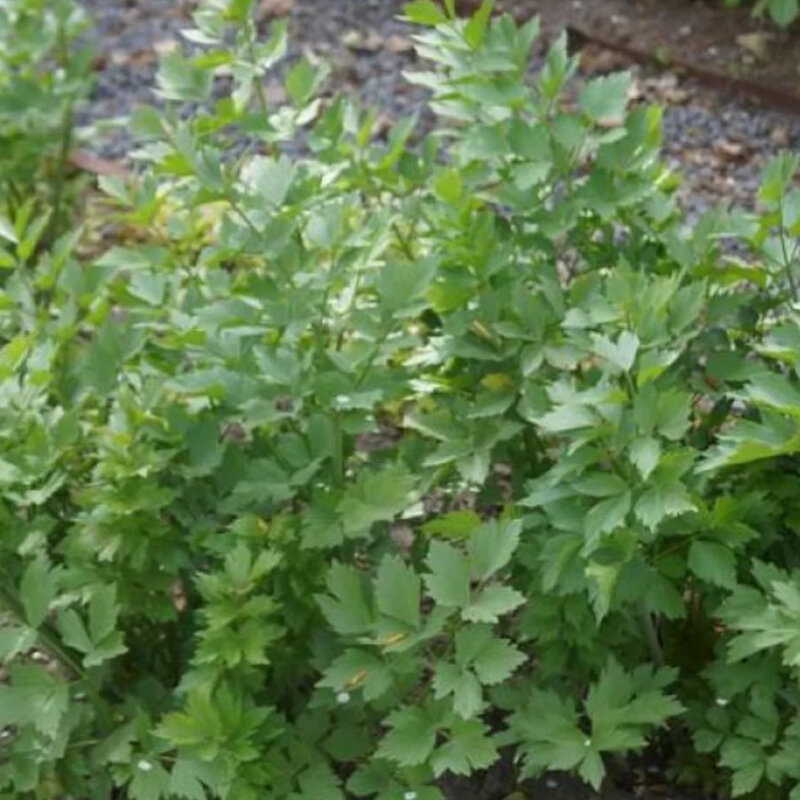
(343, 473)
(43, 77)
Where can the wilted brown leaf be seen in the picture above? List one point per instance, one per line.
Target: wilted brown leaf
(89, 162)
(730, 151)
(398, 44)
(269, 9)
(363, 41)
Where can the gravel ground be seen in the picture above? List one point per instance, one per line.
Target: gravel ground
(720, 144)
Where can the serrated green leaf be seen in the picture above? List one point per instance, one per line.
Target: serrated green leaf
(410, 739)
(448, 185)
(567, 418)
(746, 779)
(7, 231)
(621, 353)
(184, 781)
(462, 684)
(103, 610)
(376, 496)
(601, 484)
(453, 525)
(491, 547)
(475, 29)
(38, 589)
(604, 99)
(15, 640)
(358, 668)
(179, 79)
(74, 632)
(346, 607)
(496, 661)
(424, 12)
(592, 769)
(492, 603)
(449, 576)
(776, 391)
(398, 591)
(645, 453)
(663, 500)
(150, 780)
(301, 81)
(712, 562)
(319, 780)
(468, 748)
(270, 178)
(35, 697)
(607, 515)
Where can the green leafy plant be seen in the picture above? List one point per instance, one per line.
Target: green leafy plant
(43, 76)
(345, 472)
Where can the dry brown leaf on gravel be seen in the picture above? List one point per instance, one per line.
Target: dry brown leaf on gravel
(735, 152)
(269, 9)
(141, 57)
(363, 41)
(780, 136)
(598, 60)
(666, 89)
(89, 162)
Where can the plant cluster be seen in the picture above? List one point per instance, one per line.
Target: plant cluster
(344, 472)
(43, 76)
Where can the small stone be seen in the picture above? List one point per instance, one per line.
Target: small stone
(398, 44)
(275, 93)
(780, 136)
(383, 124)
(756, 43)
(361, 41)
(165, 46)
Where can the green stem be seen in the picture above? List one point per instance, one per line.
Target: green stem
(651, 635)
(60, 180)
(14, 200)
(787, 261)
(405, 245)
(239, 211)
(364, 371)
(48, 638)
(338, 452)
(253, 56)
(67, 124)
